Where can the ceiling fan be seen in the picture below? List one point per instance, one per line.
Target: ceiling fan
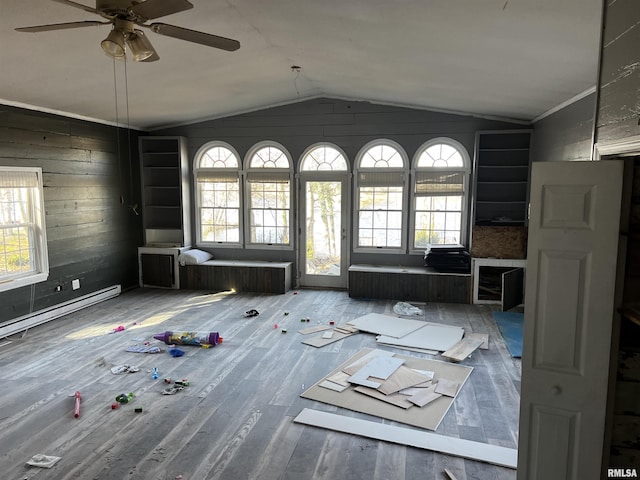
(126, 15)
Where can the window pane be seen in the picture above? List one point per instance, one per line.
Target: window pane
(440, 155)
(23, 253)
(394, 238)
(454, 203)
(395, 199)
(366, 198)
(269, 212)
(381, 156)
(380, 212)
(438, 225)
(453, 221)
(324, 158)
(394, 220)
(439, 220)
(269, 157)
(366, 219)
(220, 211)
(380, 198)
(439, 203)
(218, 157)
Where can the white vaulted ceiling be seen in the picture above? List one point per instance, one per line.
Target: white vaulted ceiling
(514, 59)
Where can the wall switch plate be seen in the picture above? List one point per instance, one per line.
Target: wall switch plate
(75, 284)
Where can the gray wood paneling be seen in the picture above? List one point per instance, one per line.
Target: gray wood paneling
(91, 235)
(565, 135)
(618, 108)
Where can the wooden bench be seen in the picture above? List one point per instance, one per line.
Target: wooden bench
(239, 275)
(423, 284)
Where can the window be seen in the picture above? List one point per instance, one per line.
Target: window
(440, 179)
(380, 196)
(269, 196)
(218, 195)
(23, 242)
(323, 158)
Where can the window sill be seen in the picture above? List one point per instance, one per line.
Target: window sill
(13, 283)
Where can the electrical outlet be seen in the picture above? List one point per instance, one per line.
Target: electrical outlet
(75, 284)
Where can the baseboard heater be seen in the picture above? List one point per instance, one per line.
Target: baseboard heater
(56, 311)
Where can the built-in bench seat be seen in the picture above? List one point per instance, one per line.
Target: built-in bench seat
(239, 275)
(400, 283)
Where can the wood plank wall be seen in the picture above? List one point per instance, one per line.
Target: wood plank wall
(91, 236)
(565, 135)
(618, 117)
(619, 105)
(347, 124)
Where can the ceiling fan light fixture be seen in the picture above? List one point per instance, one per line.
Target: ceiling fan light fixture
(113, 45)
(140, 46)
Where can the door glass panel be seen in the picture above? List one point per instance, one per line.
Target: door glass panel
(323, 228)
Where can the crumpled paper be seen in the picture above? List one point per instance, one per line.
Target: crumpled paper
(124, 369)
(43, 461)
(403, 308)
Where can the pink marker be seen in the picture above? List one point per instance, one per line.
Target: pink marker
(76, 413)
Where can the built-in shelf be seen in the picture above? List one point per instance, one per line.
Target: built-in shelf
(501, 172)
(165, 189)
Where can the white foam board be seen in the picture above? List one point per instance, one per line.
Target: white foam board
(380, 324)
(430, 337)
(483, 452)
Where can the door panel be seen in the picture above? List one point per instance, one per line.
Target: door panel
(323, 253)
(512, 284)
(569, 307)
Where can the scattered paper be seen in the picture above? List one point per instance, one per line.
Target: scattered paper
(120, 369)
(43, 461)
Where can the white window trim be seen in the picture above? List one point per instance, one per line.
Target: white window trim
(196, 169)
(402, 249)
(464, 227)
(247, 201)
(42, 260)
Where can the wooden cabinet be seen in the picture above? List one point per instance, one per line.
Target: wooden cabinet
(165, 191)
(498, 281)
(158, 267)
(501, 172)
(400, 283)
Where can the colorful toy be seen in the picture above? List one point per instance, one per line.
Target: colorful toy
(189, 338)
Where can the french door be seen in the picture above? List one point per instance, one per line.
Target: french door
(324, 230)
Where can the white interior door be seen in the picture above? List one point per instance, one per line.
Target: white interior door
(323, 251)
(569, 302)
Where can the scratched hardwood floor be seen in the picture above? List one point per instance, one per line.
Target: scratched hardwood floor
(234, 421)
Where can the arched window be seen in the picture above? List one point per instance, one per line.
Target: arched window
(268, 196)
(440, 184)
(380, 196)
(322, 158)
(218, 195)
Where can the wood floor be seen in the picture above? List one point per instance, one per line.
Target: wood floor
(234, 421)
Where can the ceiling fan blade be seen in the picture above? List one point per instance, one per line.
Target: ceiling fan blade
(61, 26)
(77, 5)
(159, 8)
(195, 36)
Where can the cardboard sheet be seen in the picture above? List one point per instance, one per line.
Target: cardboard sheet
(428, 417)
